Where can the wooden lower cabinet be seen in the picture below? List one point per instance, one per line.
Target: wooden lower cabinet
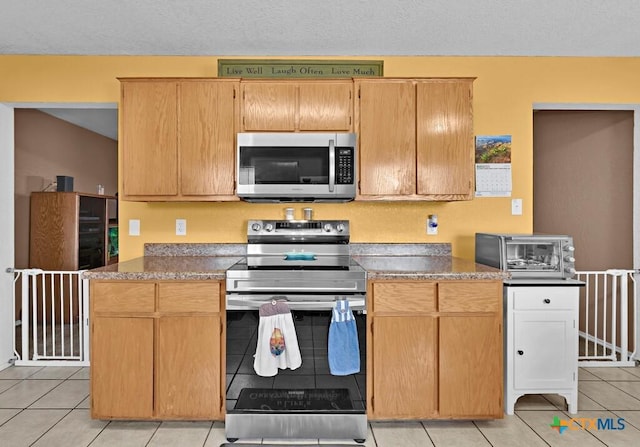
(188, 367)
(405, 382)
(436, 350)
(471, 367)
(156, 350)
(122, 367)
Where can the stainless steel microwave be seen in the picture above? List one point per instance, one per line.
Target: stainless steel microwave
(296, 167)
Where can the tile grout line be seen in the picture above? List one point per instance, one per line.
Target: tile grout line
(530, 427)
(50, 428)
(482, 433)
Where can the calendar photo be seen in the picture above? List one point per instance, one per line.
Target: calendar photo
(493, 166)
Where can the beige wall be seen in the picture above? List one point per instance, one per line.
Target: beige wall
(505, 90)
(46, 147)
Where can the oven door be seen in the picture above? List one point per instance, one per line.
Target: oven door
(239, 301)
(307, 402)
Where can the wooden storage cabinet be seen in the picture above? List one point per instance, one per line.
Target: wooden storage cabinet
(178, 139)
(415, 139)
(436, 349)
(68, 231)
(541, 343)
(158, 341)
(297, 106)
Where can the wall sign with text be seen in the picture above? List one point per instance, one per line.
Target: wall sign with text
(282, 68)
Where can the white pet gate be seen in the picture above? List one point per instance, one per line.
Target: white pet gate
(608, 318)
(52, 318)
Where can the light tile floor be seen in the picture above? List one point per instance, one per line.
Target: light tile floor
(49, 406)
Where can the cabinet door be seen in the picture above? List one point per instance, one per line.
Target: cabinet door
(269, 106)
(188, 367)
(445, 149)
(471, 366)
(387, 137)
(122, 368)
(149, 138)
(207, 137)
(404, 367)
(545, 349)
(325, 106)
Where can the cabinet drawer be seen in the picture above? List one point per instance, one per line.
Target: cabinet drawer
(191, 296)
(123, 296)
(405, 296)
(470, 296)
(540, 298)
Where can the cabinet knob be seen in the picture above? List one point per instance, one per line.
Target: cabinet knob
(520, 352)
(546, 301)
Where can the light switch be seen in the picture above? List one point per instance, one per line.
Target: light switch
(134, 227)
(516, 207)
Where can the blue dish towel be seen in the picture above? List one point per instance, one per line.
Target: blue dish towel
(344, 352)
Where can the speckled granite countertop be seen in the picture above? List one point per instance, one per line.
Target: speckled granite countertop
(210, 261)
(166, 267)
(426, 268)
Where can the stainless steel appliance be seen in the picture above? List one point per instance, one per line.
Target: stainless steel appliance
(296, 167)
(306, 263)
(528, 256)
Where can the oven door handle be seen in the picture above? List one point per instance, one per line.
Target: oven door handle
(248, 304)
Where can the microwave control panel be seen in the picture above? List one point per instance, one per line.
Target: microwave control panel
(344, 166)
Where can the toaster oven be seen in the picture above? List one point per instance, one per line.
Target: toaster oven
(530, 256)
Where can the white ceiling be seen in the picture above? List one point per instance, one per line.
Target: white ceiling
(330, 27)
(292, 28)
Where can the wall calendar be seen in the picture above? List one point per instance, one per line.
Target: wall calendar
(493, 166)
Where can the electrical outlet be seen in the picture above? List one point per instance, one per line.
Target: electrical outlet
(432, 224)
(134, 227)
(516, 207)
(181, 227)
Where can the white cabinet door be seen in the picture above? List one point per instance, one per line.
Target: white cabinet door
(544, 345)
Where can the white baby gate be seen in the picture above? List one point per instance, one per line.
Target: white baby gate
(52, 326)
(608, 318)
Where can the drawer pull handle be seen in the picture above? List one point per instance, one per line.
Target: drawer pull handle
(520, 352)
(547, 301)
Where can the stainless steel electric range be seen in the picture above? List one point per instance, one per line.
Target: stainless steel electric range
(305, 264)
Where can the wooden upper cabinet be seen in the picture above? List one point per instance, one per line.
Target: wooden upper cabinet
(445, 155)
(387, 137)
(326, 106)
(178, 139)
(416, 139)
(269, 106)
(149, 138)
(207, 138)
(297, 105)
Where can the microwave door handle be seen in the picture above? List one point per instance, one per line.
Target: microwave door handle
(332, 165)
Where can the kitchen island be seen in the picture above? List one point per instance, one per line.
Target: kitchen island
(434, 333)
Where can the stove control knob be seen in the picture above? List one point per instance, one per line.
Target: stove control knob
(268, 227)
(570, 270)
(340, 228)
(569, 259)
(327, 227)
(568, 248)
(255, 227)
